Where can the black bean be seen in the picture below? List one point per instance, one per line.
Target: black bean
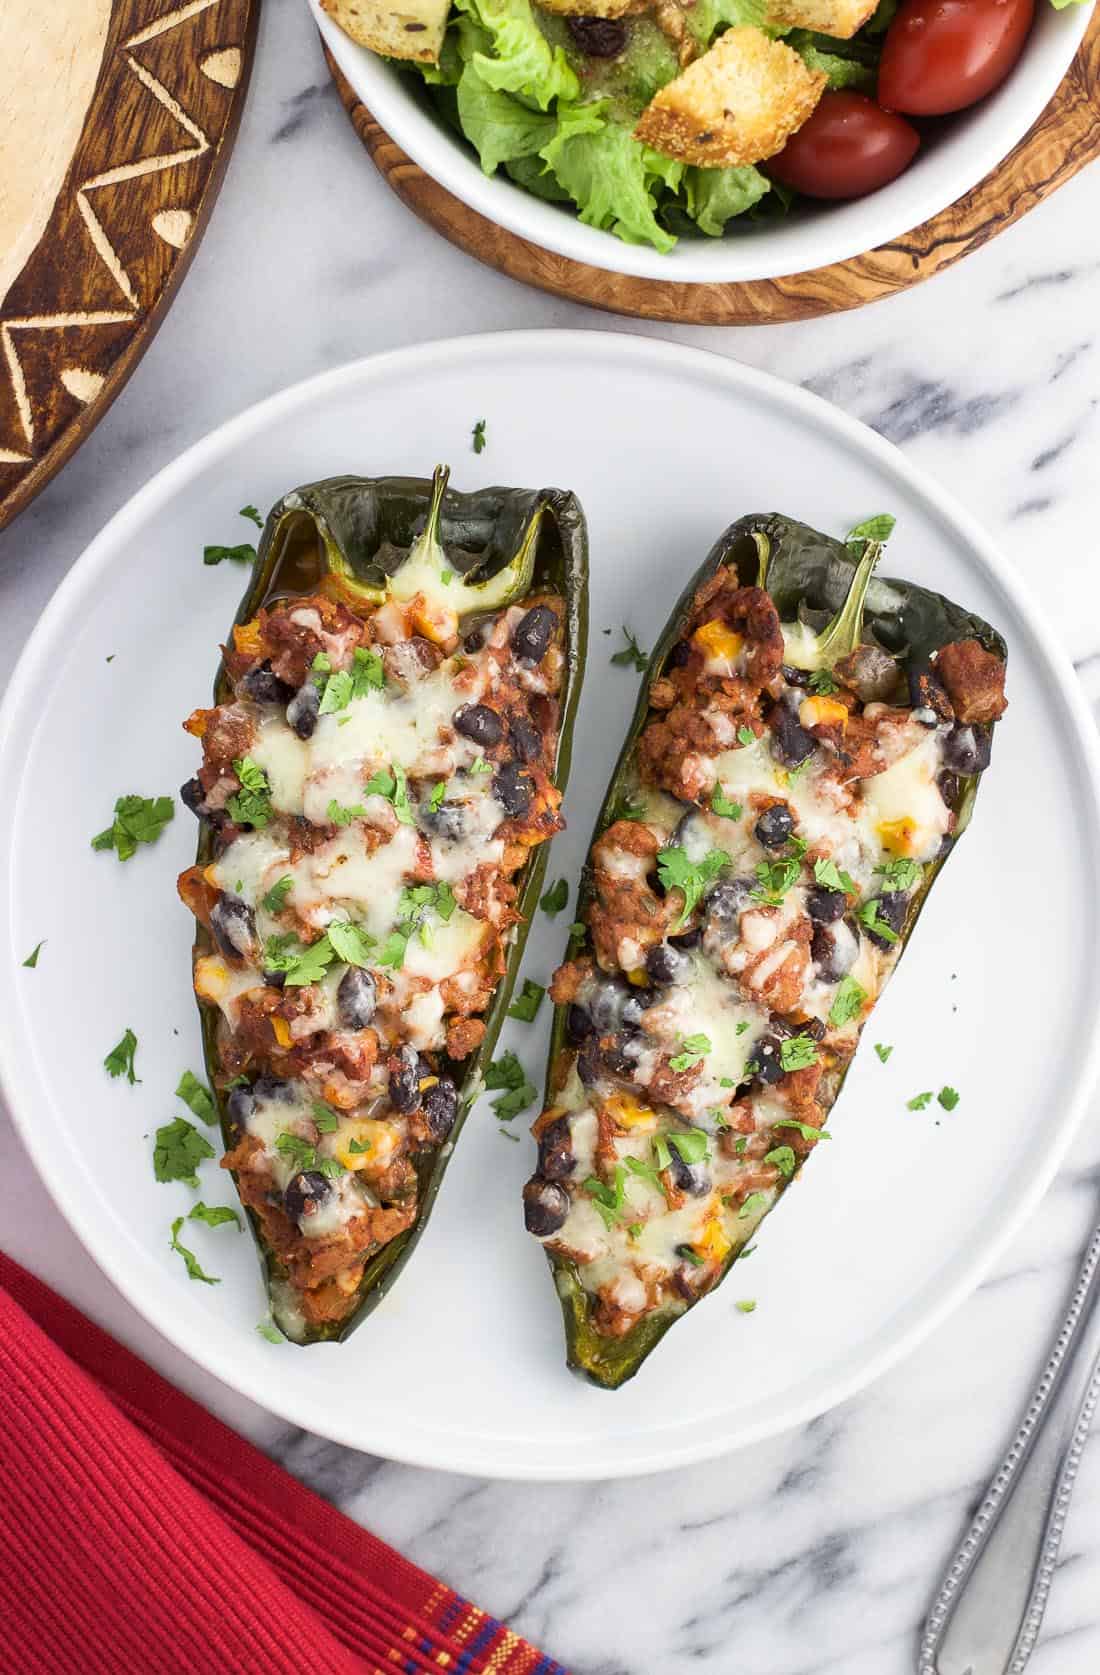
(240, 1104)
(533, 632)
(578, 1025)
(679, 655)
(524, 738)
(724, 905)
(273, 1088)
(790, 742)
(265, 687)
(834, 949)
(665, 964)
(926, 693)
(475, 639)
(589, 1064)
(687, 939)
(192, 796)
(768, 1066)
(304, 1193)
(404, 1086)
(795, 677)
(774, 826)
(514, 790)
(356, 998)
(233, 926)
(440, 1108)
(691, 1178)
(891, 908)
(303, 710)
(480, 723)
(618, 1061)
(605, 1005)
(556, 1158)
(966, 750)
(545, 1207)
(447, 821)
(275, 979)
(825, 906)
(950, 789)
(598, 37)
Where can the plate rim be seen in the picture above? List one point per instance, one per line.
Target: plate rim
(470, 1456)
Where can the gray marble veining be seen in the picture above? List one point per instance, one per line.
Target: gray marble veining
(814, 1553)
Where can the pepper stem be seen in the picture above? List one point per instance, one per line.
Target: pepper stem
(843, 634)
(763, 557)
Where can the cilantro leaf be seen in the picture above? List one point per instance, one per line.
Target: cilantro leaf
(510, 1104)
(878, 528)
(120, 1059)
(478, 434)
(747, 1305)
(507, 1073)
(555, 898)
(677, 872)
(401, 805)
(253, 515)
(631, 655)
(798, 1052)
(393, 950)
(350, 943)
(480, 765)
(32, 958)
(823, 683)
(243, 554)
(695, 1047)
(337, 694)
(439, 791)
(847, 1002)
(191, 1261)
(251, 805)
(775, 878)
(275, 900)
(526, 1005)
(806, 1129)
(214, 1215)
(137, 820)
(828, 875)
(869, 915)
(196, 1097)
(178, 1150)
(301, 1153)
(325, 1117)
(268, 1329)
(900, 874)
(691, 1144)
(746, 737)
(380, 784)
(919, 1102)
(784, 1159)
(340, 815)
(722, 805)
(625, 807)
(367, 672)
(883, 1051)
(948, 1098)
(755, 1201)
(302, 963)
(359, 1147)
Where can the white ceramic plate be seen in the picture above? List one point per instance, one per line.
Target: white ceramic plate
(462, 1367)
(953, 159)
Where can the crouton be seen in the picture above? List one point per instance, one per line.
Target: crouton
(839, 18)
(415, 31)
(737, 104)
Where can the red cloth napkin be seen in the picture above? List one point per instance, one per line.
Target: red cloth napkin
(139, 1534)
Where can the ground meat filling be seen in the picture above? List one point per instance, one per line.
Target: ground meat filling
(373, 796)
(742, 919)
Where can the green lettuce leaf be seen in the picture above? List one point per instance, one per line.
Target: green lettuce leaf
(522, 60)
(848, 64)
(603, 168)
(498, 127)
(714, 196)
(708, 16)
(533, 175)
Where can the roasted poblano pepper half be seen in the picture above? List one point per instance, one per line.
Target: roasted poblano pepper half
(383, 763)
(805, 752)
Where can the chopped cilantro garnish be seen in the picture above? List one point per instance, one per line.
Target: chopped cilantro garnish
(304, 1156)
(797, 1052)
(631, 655)
(507, 1073)
(392, 953)
(380, 784)
(251, 805)
(439, 791)
(829, 876)
(245, 553)
(178, 1150)
(694, 1048)
(400, 798)
(32, 958)
(691, 1144)
(253, 515)
(747, 1305)
(555, 898)
(578, 928)
(755, 1201)
(822, 682)
(358, 1147)
(478, 434)
(677, 872)
(196, 1096)
(775, 878)
(527, 1003)
(342, 815)
(337, 694)
(869, 915)
(784, 1159)
(268, 1329)
(746, 736)
(325, 1117)
(919, 1101)
(351, 943)
(847, 1002)
(690, 1255)
(948, 1098)
(120, 1059)
(191, 1261)
(480, 765)
(806, 1129)
(636, 1229)
(625, 807)
(446, 577)
(414, 904)
(900, 874)
(275, 900)
(137, 820)
(367, 672)
(644, 1171)
(214, 1215)
(302, 963)
(740, 1030)
(721, 804)
(878, 528)
(883, 1051)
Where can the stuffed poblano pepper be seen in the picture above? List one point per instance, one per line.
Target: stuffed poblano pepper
(381, 770)
(806, 750)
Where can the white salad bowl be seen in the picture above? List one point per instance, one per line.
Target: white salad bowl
(948, 165)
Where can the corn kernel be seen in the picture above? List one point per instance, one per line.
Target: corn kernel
(197, 723)
(246, 638)
(281, 1031)
(898, 836)
(377, 1137)
(436, 622)
(639, 977)
(822, 712)
(712, 1242)
(629, 1113)
(211, 977)
(714, 639)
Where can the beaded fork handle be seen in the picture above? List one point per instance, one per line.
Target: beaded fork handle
(987, 1614)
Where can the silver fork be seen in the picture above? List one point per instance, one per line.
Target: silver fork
(987, 1614)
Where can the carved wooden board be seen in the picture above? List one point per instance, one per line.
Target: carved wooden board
(1065, 138)
(116, 122)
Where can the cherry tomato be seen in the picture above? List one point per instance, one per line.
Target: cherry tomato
(942, 55)
(847, 148)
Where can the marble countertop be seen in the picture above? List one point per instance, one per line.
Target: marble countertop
(815, 1553)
